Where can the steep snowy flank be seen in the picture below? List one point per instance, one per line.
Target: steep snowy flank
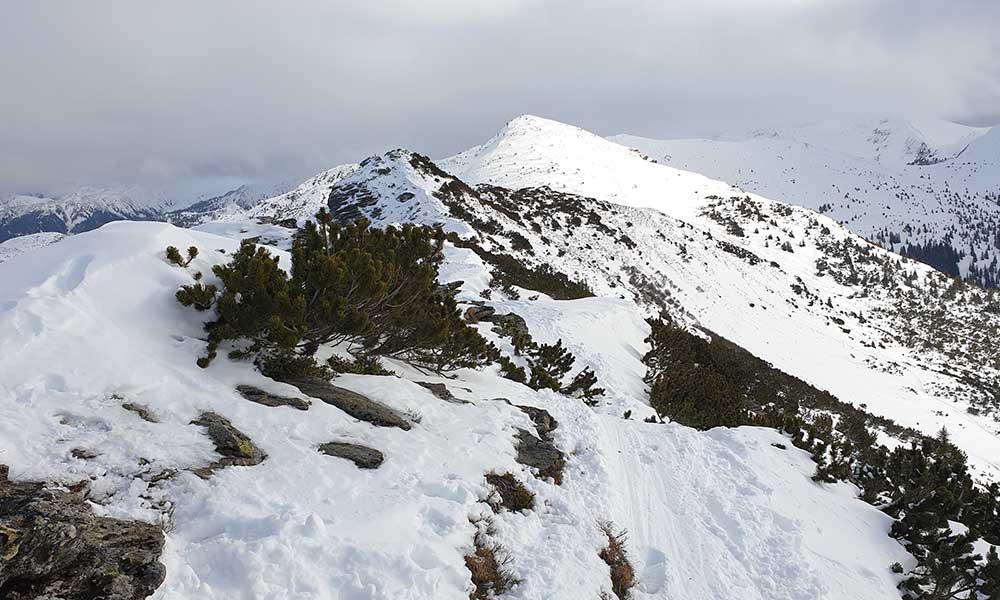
(90, 325)
(985, 149)
(302, 202)
(943, 212)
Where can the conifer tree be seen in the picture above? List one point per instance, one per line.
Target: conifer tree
(988, 584)
(374, 289)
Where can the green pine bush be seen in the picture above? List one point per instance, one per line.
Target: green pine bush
(373, 289)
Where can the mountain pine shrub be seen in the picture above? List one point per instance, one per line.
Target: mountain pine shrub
(373, 289)
(923, 485)
(174, 256)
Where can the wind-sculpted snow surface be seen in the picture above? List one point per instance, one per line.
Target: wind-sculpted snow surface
(27, 243)
(90, 324)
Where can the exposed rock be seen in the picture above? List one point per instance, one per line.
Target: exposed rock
(541, 454)
(142, 410)
(362, 456)
(509, 325)
(83, 454)
(259, 396)
(508, 493)
(475, 314)
(53, 546)
(441, 391)
(451, 288)
(355, 404)
(544, 422)
(235, 446)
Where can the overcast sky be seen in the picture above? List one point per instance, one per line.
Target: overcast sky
(204, 93)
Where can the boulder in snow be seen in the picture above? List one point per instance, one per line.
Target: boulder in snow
(362, 456)
(235, 446)
(358, 406)
(254, 394)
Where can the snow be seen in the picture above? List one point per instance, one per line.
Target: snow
(14, 247)
(860, 175)
(534, 152)
(722, 514)
(890, 141)
(302, 202)
(750, 305)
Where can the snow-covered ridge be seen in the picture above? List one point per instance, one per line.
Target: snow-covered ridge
(945, 212)
(742, 284)
(892, 142)
(90, 323)
(303, 201)
(27, 243)
(80, 344)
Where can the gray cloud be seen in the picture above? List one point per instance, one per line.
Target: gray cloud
(200, 93)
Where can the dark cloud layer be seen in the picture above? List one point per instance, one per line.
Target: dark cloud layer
(208, 92)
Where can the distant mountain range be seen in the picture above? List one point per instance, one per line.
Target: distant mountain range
(89, 207)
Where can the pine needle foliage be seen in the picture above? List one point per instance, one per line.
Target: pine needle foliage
(373, 289)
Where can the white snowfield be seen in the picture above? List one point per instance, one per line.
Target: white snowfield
(863, 176)
(91, 322)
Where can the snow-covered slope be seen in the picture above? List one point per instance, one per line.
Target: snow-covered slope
(791, 286)
(234, 202)
(826, 305)
(90, 323)
(892, 142)
(303, 201)
(944, 210)
(27, 243)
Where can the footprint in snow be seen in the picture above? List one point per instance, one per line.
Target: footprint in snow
(654, 572)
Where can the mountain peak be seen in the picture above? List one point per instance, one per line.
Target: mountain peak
(531, 152)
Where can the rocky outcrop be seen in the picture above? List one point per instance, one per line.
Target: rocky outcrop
(357, 405)
(142, 410)
(540, 454)
(235, 446)
(509, 325)
(441, 391)
(539, 451)
(362, 456)
(52, 545)
(477, 313)
(259, 396)
(545, 423)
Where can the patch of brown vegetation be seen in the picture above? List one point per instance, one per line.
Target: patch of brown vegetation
(489, 566)
(509, 493)
(616, 556)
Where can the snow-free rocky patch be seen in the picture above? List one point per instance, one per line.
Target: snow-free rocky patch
(53, 545)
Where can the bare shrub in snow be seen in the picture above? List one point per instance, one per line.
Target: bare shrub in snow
(509, 493)
(616, 556)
